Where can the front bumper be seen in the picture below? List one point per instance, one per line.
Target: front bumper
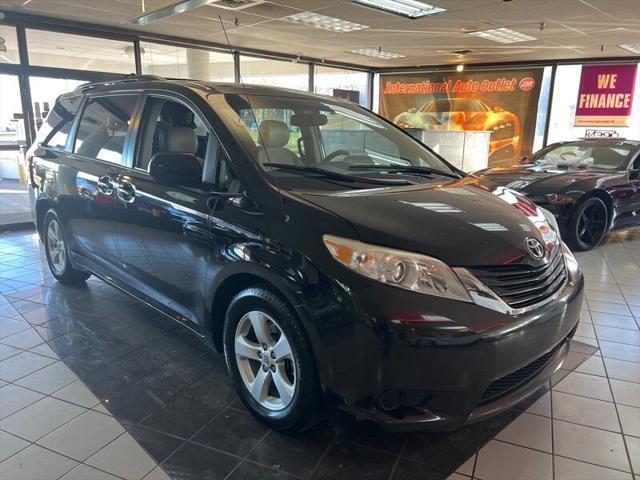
(438, 357)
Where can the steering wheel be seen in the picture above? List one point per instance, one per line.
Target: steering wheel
(335, 154)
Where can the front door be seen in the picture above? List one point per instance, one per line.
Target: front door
(164, 241)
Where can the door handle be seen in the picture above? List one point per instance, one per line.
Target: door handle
(126, 192)
(105, 185)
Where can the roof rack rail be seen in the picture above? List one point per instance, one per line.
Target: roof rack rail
(126, 79)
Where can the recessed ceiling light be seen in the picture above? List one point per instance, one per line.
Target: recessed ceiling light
(376, 53)
(406, 8)
(502, 35)
(324, 22)
(631, 47)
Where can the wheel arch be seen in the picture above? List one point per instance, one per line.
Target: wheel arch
(240, 276)
(42, 207)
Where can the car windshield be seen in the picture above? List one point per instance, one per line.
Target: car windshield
(592, 155)
(456, 105)
(330, 141)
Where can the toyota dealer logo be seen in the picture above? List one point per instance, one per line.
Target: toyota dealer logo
(527, 83)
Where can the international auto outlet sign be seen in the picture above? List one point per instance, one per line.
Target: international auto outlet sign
(605, 95)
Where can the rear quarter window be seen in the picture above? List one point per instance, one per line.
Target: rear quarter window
(54, 131)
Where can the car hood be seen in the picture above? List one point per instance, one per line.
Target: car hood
(536, 178)
(458, 222)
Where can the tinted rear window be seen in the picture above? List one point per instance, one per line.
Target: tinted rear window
(103, 127)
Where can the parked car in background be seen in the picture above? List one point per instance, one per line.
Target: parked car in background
(352, 268)
(591, 186)
(468, 114)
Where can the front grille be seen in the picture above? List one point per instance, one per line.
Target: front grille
(523, 285)
(505, 384)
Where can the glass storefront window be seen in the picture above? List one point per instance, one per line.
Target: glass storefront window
(8, 39)
(563, 108)
(11, 125)
(180, 62)
(262, 71)
(44, 92)
(343, 83)
(543, 107)
(14, 201)
(79, 52)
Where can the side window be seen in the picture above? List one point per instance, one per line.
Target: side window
(103, 127)
(55, 130)
(169, 126)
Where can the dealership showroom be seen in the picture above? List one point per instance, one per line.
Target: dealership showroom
(320, 239)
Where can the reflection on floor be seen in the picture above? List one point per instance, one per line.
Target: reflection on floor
(94, 385)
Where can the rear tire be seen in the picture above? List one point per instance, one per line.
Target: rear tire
(57, 252)
(270, 361)
(589, 224)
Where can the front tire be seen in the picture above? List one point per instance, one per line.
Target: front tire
(270, 361)
(57, 252)
(589, 224)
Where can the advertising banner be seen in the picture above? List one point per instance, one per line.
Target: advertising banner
(605, 95)
(503, 102)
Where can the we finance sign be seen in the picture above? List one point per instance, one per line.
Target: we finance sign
(605, 96)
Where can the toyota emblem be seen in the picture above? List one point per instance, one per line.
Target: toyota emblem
(534, 248)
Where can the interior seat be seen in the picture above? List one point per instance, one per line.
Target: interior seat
(178, 139)
(272, 138)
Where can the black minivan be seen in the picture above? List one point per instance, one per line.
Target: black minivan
(339, 264)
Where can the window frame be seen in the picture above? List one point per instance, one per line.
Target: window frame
(126, 148)
(137, 130)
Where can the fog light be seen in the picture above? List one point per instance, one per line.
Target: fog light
(391, 399)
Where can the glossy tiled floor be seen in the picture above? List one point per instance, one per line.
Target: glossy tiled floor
(94, 385)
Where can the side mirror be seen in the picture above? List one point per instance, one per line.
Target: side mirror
(498, 109)
(412, 110)
(176, 169)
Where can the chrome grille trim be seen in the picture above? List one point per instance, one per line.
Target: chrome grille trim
(523, 286)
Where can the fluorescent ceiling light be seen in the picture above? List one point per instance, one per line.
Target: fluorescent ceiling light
(376, 53)
(502, 35)
(168, 11)
(237, 4)
(406, 8)
(324, 22)
(631, 47)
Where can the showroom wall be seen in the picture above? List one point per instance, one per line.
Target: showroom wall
(43, 60)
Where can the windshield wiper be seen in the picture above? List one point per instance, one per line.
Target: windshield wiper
(336, 175)
(405, 168)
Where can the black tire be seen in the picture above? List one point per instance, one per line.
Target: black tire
(589, 224)
(304, 408)
(58, 257)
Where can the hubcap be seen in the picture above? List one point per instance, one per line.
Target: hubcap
(55, 245)
(265, 360)
(592, 224)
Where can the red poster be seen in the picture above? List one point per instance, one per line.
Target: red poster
(605, 95)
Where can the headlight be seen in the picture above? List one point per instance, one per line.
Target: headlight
(553, 223)
(410, 271)
(554, 198)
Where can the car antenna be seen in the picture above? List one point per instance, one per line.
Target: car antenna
(253, 114)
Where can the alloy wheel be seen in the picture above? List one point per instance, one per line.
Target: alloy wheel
(56, 247)
(265, 360)
(592, 224)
